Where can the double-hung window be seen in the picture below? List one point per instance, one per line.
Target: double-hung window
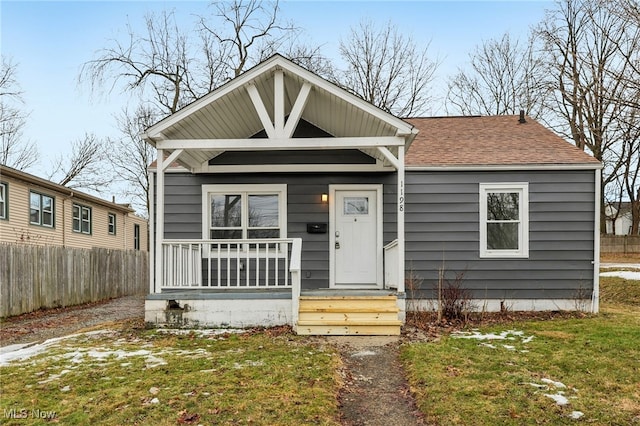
(244, 211)
(41, 208)
(504, 220)
(4, 205)
(81, 219)
(111, 217)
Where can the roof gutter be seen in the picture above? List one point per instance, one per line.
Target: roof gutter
(504, 167)
(27, 177)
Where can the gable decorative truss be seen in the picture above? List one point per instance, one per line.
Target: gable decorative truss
(274, 96)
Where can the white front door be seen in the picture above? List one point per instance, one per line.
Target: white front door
(356, 238)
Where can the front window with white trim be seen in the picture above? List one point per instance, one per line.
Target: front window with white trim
(245, 211)
(504, 220)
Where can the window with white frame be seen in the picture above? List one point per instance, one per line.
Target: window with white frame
(136, 237)
(244, 211)
(111, 217)
(504, 220)
(41, 208)
(81, 219)
(4, 205)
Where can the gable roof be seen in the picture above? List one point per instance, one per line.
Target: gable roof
(229, 112)
(61, 189)
(490, 141)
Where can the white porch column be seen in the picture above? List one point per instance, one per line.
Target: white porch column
(400, 219)
(152, 242)
(159, 217)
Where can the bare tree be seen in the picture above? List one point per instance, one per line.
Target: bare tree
(251, 31)
(502, 78)
(131, 156)
(593, 101)
(85, 168)
(16, 151)
(175, 66)
(156, 62)
(388, 69)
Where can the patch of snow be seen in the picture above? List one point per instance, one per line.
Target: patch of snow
(627, 275)
(527, 339)
(155, 401)
(364, 353)
(488, 345)
(65, 389)
(201, 331)
(576, 415)
(24, 352)
(509, 347)
(558, 398)
(153, 361)
(553, 383)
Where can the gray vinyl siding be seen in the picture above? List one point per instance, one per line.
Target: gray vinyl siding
(442, 225)
(183, 210)
(442, 222)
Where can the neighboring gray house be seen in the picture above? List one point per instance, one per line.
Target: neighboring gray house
(284, 199)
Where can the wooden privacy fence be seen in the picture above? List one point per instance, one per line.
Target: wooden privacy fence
(35, 277)
(620, 244)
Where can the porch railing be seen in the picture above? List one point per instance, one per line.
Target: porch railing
(228, 264)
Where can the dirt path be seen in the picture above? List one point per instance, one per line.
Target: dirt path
(46, 324)
(375, 390)
(374, 393)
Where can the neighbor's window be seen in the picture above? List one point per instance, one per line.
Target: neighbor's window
(4, 205)
(136, 237)
(245, 211)
(504, 220)
(112, 223)
(41, 209)
(81, 219)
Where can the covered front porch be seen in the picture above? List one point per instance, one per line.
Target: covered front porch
(248, 154)
(245, 283)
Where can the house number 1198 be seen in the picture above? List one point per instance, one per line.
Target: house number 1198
(401, 197)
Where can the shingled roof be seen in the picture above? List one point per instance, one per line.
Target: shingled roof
(490, 141)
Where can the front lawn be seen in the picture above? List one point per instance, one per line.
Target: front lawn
(119, 377)
(536, 372)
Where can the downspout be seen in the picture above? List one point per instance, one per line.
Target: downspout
(595, 298)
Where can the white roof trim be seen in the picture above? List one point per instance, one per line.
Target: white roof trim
(504, 167)
(403, 127)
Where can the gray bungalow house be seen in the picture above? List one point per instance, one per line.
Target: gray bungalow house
(280, 198)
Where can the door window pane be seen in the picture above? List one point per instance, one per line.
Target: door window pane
(356, 205)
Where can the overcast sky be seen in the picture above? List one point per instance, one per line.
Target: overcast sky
(51, 40)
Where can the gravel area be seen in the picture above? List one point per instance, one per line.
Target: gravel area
(45, 324)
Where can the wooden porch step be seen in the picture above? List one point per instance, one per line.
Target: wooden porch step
(348, 315)
(349, 330)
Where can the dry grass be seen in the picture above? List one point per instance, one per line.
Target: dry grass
(486, 382)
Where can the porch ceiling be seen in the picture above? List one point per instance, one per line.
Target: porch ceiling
(229, 115)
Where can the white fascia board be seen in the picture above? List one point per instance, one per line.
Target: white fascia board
(235, 84)
(504, 167)
(280, 144)
(403, 128)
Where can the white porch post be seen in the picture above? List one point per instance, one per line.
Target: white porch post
(159, 217)
(400, 219)
(152, 242)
